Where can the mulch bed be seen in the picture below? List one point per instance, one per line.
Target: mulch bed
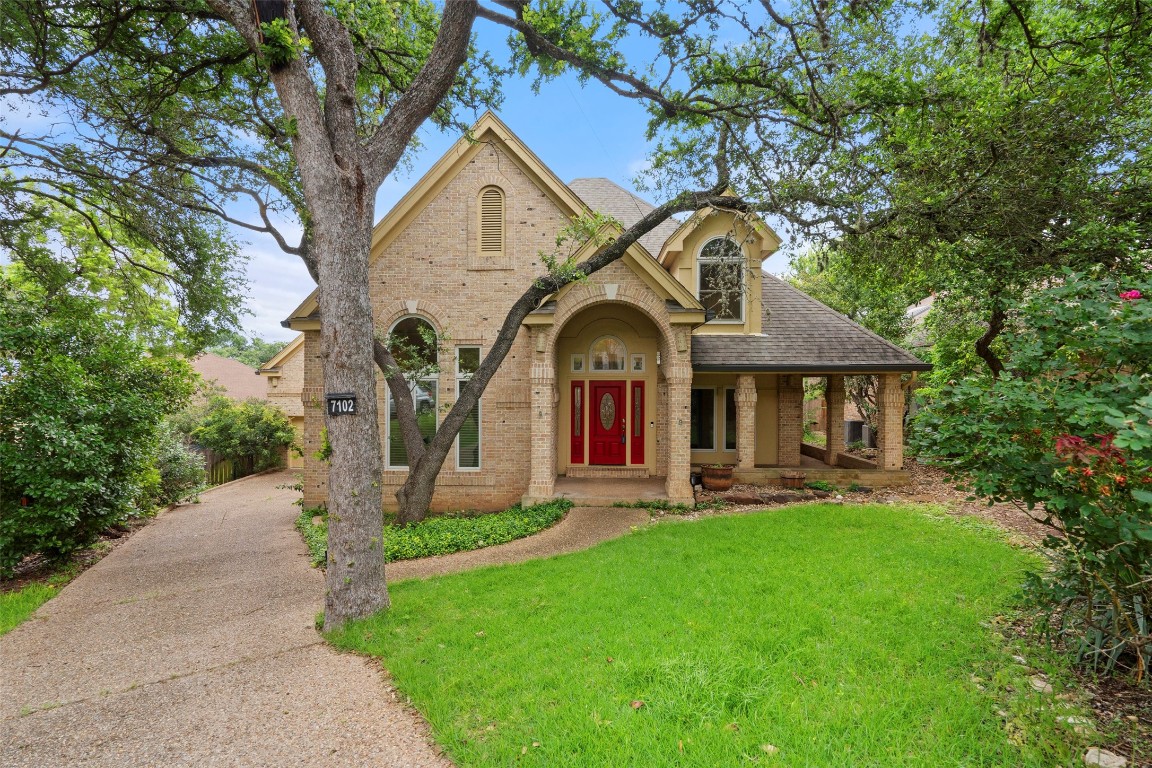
(36, 568)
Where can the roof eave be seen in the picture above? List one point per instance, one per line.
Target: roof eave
(815, 368)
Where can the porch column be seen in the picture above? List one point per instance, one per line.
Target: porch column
(833, 418)
(541, 485)
(678, 484)
(312, 396)
(746, 421)
(790, 420)
(890, 399)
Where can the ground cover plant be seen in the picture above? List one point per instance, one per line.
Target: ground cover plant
(816, 635)
(444, 534)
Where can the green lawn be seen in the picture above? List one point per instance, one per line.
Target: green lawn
(18, 605)
(809, 636)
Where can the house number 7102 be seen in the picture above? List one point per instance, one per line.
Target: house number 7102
(341, 403)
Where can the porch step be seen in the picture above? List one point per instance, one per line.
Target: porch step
(607, 472)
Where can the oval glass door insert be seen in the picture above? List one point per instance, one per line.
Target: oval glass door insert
(607, 411)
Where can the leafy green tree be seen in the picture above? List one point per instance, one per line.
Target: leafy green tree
(1015, 145)
(869, 298)
(81, 405)
(1066, 431)
(253, 352)
(179, 470)
(241, 430)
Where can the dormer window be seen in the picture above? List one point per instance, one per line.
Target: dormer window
(721, 286)
(492, 223)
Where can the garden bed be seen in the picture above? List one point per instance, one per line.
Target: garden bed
(442, 534)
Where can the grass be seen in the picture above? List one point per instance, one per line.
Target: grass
(16, 606)
(443, 534)
(823, 635)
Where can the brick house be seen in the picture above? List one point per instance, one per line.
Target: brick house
(646, 370)
(283, 384)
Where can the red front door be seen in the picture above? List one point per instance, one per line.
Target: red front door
(607, 415)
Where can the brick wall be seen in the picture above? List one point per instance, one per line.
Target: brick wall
(790, 420)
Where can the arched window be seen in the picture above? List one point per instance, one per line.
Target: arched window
(607, 353)
(721, 269)
(412, 342)
(492, 223)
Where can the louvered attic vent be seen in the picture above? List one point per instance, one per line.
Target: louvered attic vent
(492, 222)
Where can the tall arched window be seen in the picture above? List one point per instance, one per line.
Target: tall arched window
(721, 269)
(412, 341)
(492, 223)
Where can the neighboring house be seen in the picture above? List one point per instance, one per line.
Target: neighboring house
(236, 379)
(283, 384)
(647, 369)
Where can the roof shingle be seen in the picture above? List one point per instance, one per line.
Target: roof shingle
(608, 197)
(801, 335)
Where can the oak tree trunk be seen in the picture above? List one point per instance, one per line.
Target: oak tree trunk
(355, 577)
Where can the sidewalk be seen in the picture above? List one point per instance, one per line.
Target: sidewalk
(193, 644)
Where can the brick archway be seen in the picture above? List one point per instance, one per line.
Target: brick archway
(675, 371)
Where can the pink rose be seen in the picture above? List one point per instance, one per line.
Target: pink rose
(1130, 295)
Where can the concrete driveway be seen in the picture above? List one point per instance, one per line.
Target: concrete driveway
(193, 644)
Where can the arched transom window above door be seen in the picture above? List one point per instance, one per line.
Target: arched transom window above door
(607, 353)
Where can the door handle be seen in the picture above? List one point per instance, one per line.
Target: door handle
(623, 431)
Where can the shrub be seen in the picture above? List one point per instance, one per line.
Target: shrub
(1067, 432)
(239, 430)
(181, 470)
(821, 485)
(81, 406)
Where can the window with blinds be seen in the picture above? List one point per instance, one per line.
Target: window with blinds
(492, 223)
(468, 440)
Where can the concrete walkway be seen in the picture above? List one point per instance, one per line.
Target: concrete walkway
(193, 644)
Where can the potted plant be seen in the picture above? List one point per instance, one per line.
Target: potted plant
(716, 477)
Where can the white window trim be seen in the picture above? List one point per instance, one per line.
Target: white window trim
(701, 259)
(460, 379)
(388, 465)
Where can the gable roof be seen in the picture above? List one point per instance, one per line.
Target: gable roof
(606, 196)
(291, 348)
(238, 380)
(801, 335)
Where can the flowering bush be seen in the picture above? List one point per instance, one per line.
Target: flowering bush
(1066, 432)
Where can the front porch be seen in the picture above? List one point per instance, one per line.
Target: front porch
(604, 491)
(848, 470)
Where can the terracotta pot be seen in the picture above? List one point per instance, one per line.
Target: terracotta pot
(716, 478)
